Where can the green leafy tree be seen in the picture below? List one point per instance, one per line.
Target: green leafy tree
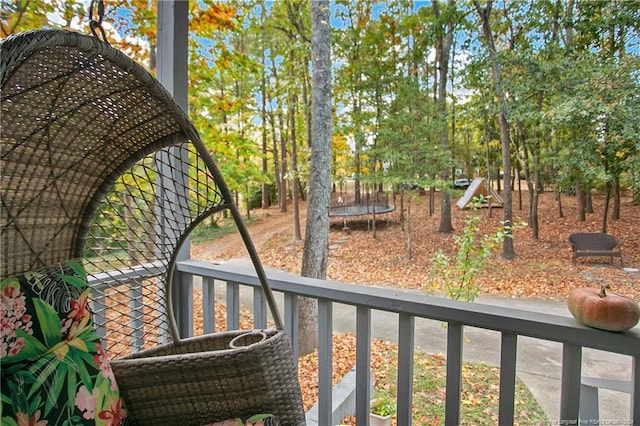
(22, 15)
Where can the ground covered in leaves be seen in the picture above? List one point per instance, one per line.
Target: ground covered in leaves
(542, 269)
(479, 394)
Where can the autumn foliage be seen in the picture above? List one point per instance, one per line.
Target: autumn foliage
(542, 268)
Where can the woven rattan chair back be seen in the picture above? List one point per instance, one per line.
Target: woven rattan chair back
(100, 164)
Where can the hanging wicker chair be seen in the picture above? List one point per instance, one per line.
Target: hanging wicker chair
(100, 165)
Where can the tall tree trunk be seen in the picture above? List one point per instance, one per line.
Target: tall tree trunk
(408, 230)
(274, 142)
(580, 200)
(605, 213)
(247, 202)
(316, 247)
(359, 142)
(533, 214)
(266, 201)
(432, 200)
(588, 198)
(373, 221)
(402, 210)
(283, 192)
(559, 198)
(518, 179)
(535, 227)
(537, 187)
(485, 132)
(276, 151)
(294, 169)
(616, 198)
(508, 251)
(444, 40)
(568, 42)
(523, 163)
(282, 161)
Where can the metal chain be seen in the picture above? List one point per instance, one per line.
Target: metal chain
(94, 24)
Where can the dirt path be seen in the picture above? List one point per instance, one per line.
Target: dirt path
(271, 223)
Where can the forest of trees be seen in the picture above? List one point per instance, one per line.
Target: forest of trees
(423, 92)
(420, 93)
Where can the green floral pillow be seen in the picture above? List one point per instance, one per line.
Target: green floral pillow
(54, 370)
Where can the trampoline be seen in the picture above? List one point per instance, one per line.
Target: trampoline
(360, 210)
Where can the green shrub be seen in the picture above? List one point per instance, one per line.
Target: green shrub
(458, 274)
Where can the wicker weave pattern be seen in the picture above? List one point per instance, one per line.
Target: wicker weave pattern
(87, 132)
(137, 227)
(70, 118)
(225, 376)
(99, 164)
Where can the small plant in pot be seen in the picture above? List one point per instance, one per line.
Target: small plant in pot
(381, 410)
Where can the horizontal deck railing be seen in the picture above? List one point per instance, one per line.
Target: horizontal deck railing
(510, 323)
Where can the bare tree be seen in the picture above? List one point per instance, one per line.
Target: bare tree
(316, 245)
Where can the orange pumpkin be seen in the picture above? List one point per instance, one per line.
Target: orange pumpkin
(599, 309)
